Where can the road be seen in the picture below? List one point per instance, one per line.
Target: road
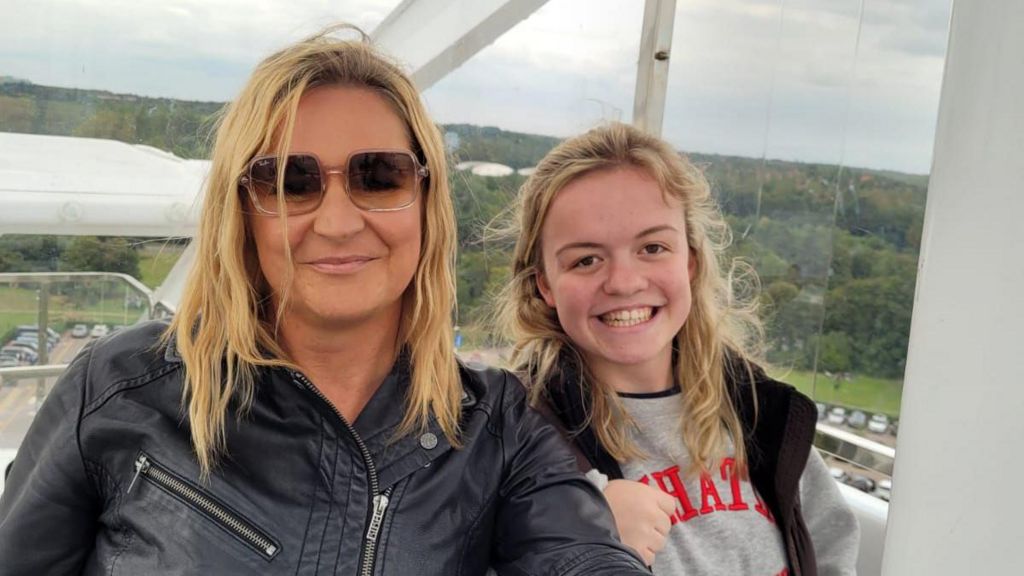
(20, 400)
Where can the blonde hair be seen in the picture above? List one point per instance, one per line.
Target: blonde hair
(719, 327)
(221, 328)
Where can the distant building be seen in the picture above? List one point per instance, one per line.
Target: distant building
(485, 168)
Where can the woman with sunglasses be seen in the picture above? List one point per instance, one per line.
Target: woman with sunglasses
(304, 412)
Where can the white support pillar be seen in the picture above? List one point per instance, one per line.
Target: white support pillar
(957, 503)
(652, 65)
(434, 37)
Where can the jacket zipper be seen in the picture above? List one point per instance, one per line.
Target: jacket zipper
(262, 543)
(380, 499)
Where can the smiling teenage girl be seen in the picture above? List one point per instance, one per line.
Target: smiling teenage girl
(624, 323)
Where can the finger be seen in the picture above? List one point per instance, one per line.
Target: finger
(662, 525)
(666, 503)
(657, 543)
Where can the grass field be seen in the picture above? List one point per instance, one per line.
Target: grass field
(864, 392)
(155, 261)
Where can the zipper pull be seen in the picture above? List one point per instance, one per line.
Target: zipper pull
(141, 465)
(380, 504)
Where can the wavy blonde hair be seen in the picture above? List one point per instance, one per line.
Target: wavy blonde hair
(222, 330)
(719, 325)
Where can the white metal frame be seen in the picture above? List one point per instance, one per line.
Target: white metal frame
(437, 36)
(956, 487)
(653, 65)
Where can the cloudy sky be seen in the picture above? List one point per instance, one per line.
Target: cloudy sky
(852, 81)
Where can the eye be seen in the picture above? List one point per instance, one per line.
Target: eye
(652, 249)
(585, 262)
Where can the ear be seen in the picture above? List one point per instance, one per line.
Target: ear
(545, 290)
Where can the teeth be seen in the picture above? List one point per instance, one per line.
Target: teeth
(623, 318)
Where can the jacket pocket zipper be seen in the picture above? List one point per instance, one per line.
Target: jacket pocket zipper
(207, 505)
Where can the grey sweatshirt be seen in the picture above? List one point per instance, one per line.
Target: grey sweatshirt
(720, 525)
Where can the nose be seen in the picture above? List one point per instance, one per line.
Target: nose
(624, 277)
(337, 216)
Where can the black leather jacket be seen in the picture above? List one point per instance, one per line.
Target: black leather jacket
(106, 482)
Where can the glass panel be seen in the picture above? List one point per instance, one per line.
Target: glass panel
(557, 73)
(815, 122)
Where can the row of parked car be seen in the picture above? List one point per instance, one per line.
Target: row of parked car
(23, 348)
(98, 330)
(858, 420)
(881, 488)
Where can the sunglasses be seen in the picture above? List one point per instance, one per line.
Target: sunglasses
(375, 181)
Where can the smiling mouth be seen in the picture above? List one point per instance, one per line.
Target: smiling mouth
(628, 317)
(340, 265)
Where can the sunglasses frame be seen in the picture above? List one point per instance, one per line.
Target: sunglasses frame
(246, 179)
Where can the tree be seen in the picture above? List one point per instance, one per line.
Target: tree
(93, 254)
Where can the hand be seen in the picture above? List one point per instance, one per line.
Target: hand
(643, 516)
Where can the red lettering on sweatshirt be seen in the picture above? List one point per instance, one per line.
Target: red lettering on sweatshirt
(677, 490)
(728, 469)
(670, 482)
(708, 491)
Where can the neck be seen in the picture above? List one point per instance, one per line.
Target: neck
(654, 375)
(346, 363)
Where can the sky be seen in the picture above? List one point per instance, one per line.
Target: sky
(855, 82)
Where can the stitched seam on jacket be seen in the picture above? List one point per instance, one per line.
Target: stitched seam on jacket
(472, 531)
(312, 502)
(129, 534)
(124, 385)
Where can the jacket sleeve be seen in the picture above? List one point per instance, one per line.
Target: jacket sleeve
(830, 522)
(49, 506)
(551, 521)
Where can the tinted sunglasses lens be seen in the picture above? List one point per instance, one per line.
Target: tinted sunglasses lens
(382, 180)
(302, 183)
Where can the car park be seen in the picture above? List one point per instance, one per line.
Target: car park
(99, 331)
(822, 410)
(879, 424)
(837, 415)
(80, 331)
(857, 419)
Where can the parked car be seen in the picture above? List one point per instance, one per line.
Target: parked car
(31, 331)
(822, 409)
(857, 419)
(6, 362)
(26, 344)
(883, 489)
(99, 331)
(862, 483)
(879, 424)
(838, 474)
(23, 355)
(837, 415)
(80, 331)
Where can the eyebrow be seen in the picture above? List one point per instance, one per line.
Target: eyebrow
(592, 245)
